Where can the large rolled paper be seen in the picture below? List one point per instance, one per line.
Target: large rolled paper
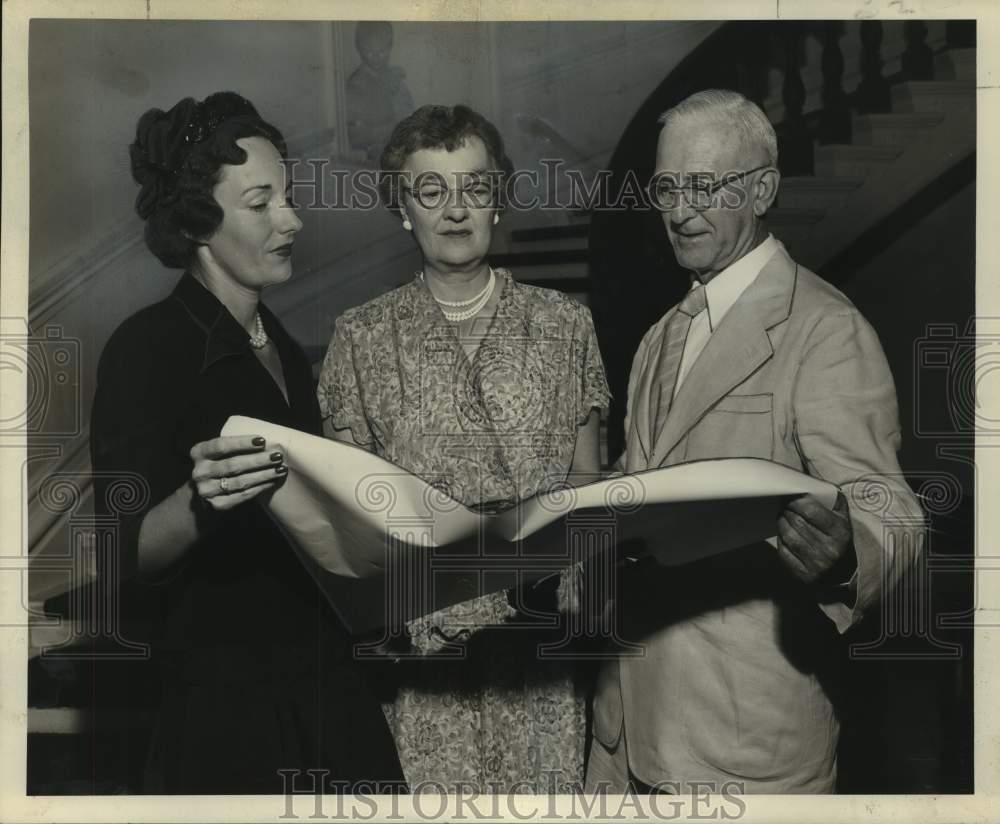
(386, 546)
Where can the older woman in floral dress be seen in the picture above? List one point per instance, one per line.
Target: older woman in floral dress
(493, 390)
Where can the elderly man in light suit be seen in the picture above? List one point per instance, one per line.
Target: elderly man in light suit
(761, 359)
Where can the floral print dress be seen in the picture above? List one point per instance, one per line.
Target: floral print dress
(492, 429)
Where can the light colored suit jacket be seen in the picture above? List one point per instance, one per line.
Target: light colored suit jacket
(733, 682)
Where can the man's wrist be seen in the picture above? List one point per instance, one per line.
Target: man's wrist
(841, 578)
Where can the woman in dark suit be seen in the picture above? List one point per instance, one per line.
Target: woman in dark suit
(256, 671)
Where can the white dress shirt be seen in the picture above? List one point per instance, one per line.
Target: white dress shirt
(721, 292)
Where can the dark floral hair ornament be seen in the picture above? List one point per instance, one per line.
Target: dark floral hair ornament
(177, 159)
(206, 119)
(166, 140)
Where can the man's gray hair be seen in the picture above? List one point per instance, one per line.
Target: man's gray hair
(736, 112)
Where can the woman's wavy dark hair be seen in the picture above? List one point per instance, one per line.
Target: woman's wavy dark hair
(439, 127)
(176, 159)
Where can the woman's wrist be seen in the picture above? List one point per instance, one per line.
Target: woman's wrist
(167, 532)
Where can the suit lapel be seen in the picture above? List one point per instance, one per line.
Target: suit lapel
(736, 349)
(641, 424)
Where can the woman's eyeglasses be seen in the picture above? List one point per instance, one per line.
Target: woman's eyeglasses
(478, 194)
(699, 194)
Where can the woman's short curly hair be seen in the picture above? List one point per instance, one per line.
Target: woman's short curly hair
(439, 127)
(176, 160)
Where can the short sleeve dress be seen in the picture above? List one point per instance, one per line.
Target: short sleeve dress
(492, 429)
(255, 669)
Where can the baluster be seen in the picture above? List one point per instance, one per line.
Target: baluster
(795, 150)
(918, 59)
(835, 119)
(754, 60)
(873, 90)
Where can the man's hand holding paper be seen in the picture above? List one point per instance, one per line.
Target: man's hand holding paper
(815, 542)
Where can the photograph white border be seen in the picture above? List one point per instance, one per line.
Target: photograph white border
(15, 806)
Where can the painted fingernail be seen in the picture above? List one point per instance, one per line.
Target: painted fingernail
(276, 456)
(258, 441)
(281, 470)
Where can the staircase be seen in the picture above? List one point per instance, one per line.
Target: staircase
(891, 157)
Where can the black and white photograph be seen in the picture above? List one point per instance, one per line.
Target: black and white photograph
(527, 413)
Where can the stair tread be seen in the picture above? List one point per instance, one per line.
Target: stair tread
(821, 182)
(571, 272)
(76, 720)
(934, 87)
(541, 257)
(860, 151)
(913, 120)
(795, 216)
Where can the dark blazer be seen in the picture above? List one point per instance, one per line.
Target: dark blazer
(256, 669)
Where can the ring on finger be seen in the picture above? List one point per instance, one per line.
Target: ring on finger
(224, 485)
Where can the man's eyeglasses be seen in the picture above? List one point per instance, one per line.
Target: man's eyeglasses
(700, 193)
(478, 194)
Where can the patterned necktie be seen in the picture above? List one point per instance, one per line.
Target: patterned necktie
(670, 356)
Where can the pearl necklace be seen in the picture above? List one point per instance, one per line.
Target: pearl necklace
(258, 340)
(474, 305)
